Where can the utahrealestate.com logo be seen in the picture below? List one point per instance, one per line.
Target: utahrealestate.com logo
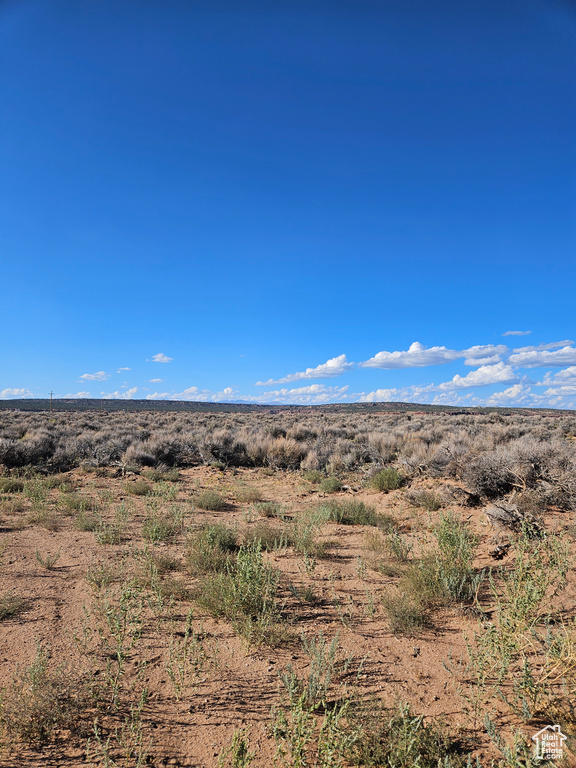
(549, 743)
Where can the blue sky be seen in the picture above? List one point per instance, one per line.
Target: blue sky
(298, 202)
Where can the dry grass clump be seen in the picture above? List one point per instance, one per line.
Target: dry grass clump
(424, 499)
(406, 614)
(209, 549)
(162, 475)
(162, 525)
(266, 537)
(48, 561)
(313, 476)
(87, 521)
(352, 512)
(441, 575)
(12, 605)
(244, 592)
(211, 501)
(42, 699)
(13, 507)
(268, 509)
(303, 531)
(387, 479)
(246, 495)
(11, 485)
(330, 485)
(445, 575)
(138, 488)
(398, 738)
(74, 502)
(60, 481)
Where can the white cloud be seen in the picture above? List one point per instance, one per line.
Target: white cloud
(535, 358)
(192, 393)
(567, 390)
(123, 369)
(196, 395)
(313, 394)
(516, 394)
(155, 381)
(491, 360)
(417, 356)
(539, 347)
(481, 351)
(77, 396)
(451, 398)
(333, 367)
(162, 358)
(11, 392)
(98, 376)
(412, 394)
(128, 395)
(308, 395)
(565, 376)
(481, 377)
(516, 333)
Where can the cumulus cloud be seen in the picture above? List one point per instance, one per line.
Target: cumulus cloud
(491, 360)
(77, 396)
(98, 376)
(10, 392)
(192, 393)
(481, 351)
(128, 395)
(565, 376)
(333, 367)
(196, 395)
(308, 395)
(161, 358)
(516, 333)
(155, 381)
(539, 347)
(540, 357)
(418, 356)
(123, 369)
(516, 394)
(481, 377)
(313, 394)
(411, 394)
(567, 390)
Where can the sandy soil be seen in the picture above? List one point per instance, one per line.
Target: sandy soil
(237, 685)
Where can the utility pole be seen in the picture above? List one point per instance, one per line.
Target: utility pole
(51, 393)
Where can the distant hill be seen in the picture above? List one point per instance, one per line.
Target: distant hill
(166, 406)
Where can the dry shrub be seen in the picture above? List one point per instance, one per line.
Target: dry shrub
(493, 453)
(12, 605)
(406, 614)
(246, 494)
(352, 512)
(268, 509)
(41, 700)
(138, 488)
(265, 536)
(387, 479)
(211, 501)
(427, 500)
(210, 548)
(11, 485)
